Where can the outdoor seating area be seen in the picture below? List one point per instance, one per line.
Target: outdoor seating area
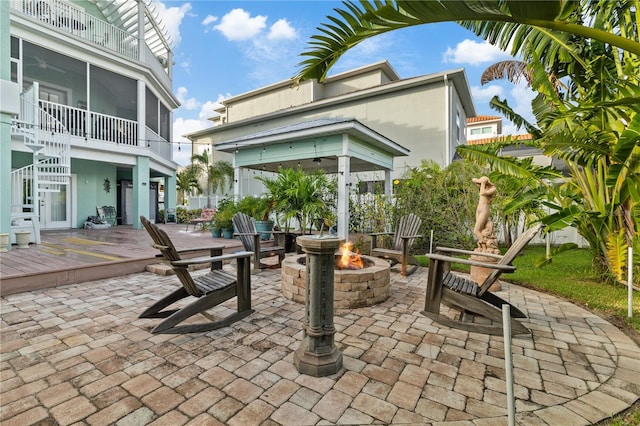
(79, 353)
(205, 217)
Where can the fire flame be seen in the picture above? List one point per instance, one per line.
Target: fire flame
(348, 259)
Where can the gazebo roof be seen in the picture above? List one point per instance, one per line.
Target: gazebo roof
(307, 143)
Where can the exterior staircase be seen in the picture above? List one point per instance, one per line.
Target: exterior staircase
(49, 141)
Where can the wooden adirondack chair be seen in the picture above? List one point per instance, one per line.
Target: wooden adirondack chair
(470, 297)
(209, 290)
(250, 238)
(403, 238)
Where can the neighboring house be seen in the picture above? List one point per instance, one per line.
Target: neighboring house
(367, 126)
(483, 127)
(86, 109)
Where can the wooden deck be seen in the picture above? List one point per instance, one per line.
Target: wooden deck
(79, 255)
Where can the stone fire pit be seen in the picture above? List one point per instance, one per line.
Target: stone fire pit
(354, 288)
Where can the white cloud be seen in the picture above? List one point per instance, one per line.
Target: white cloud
(511, 129)
(486, 93)
(172, 18)
(209, 20)
(474, 53)
(188, 104)
(185, 65)
(182, 146)
(368, 51)
(282, 30)
(208, 109)
(238, 25)
(183, 126)
(520, 99)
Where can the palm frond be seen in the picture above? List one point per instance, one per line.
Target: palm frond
(502, 106)
(498, 21)
(517, 167)
(616, 253)
(511, 70)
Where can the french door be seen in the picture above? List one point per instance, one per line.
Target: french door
(56, 209)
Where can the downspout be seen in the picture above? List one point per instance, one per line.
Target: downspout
(447, 122)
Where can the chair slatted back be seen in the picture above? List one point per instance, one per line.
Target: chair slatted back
(407, 225)
(162, 242)
(518, 245)
(243, 224)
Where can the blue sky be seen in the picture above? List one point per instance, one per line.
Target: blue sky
(225, 48)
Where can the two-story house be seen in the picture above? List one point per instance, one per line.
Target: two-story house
(365, 125)
(86, 112)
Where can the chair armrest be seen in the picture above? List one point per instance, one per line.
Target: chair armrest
(411, 236)
(469, 252)
(201, 260)
(449, 259)
(381, 233)
(194, 249)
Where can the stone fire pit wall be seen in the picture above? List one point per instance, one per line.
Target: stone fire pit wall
(352, 288)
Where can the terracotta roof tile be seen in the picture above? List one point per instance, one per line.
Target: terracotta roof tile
(500, 138)
(480, 118)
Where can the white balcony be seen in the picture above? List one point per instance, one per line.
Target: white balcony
(70, 18)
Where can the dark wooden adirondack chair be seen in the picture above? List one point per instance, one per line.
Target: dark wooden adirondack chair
(471, 297)
(246, 230)
(210, 289)
(405, 234)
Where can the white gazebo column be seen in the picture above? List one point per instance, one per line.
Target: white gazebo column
(388, 188)
(344, 186)
(236, 183)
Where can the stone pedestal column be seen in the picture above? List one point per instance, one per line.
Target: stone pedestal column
(317, 355)
(4, 243)
(478, 273)
(22, 239)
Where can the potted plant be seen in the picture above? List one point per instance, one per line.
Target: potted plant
(223, 217)
(259, 209)
(299, 196)
(216, 231)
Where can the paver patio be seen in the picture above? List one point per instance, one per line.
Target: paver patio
(78, 354)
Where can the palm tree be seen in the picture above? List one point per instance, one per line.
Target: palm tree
(592, 124)
(216, 174)
(221, 175)
(300, 195)
(200, 164)
(584, 127)
(186, 182)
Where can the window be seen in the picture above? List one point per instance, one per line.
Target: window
(165, 122)
(15, 58)
(151, 105)
(482, 130)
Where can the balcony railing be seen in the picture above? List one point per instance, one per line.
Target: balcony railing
(58, 118)
(158, 145)
(88, 124)
(67, 17)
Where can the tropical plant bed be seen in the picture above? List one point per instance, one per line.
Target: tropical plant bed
(570, 276)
